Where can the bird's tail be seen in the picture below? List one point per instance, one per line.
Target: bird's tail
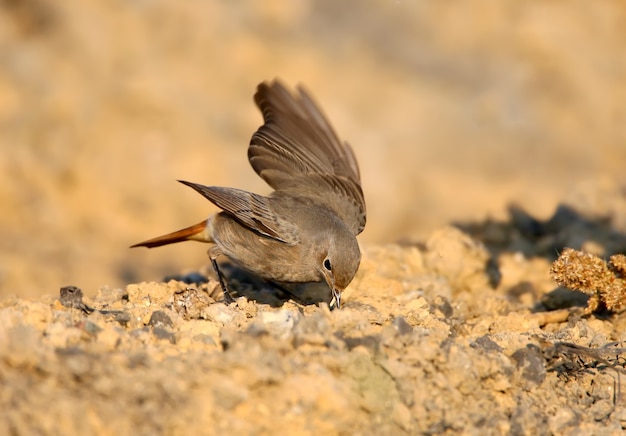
(197, 232)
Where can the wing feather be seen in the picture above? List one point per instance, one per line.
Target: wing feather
(251, 210)
(297, 151)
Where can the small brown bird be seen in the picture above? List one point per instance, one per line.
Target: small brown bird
(304, 231)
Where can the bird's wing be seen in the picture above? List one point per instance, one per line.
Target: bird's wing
(251, 210)
(297, 151)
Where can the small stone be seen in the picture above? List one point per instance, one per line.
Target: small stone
(402, 326)
(164, 334)
(123, 318)
(486, 343)
(280, 323)
(160, 319)
(72, 297)
(531, 365)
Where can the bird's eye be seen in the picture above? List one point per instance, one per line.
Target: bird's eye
(327, 265)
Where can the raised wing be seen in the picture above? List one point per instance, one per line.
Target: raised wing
(297, 150)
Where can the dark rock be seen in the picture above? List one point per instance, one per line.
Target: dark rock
(486, 343)
(531, 364)
(402, 326)
(160, 319)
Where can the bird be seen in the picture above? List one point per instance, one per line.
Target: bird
(306, 229)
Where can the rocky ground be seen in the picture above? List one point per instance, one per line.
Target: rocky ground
(465, 333)
(490, 139)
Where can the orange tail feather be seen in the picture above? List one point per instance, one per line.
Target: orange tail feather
(197, 232)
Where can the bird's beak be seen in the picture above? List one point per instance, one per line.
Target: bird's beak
(336, 300)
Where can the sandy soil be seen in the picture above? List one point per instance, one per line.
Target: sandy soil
(490, 137)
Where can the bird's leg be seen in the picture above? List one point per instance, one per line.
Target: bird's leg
(213, 253)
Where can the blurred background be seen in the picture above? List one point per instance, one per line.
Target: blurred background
(454, 108)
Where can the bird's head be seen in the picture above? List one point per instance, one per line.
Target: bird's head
(339, 262)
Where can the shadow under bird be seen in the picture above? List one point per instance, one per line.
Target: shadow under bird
(304, 231)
